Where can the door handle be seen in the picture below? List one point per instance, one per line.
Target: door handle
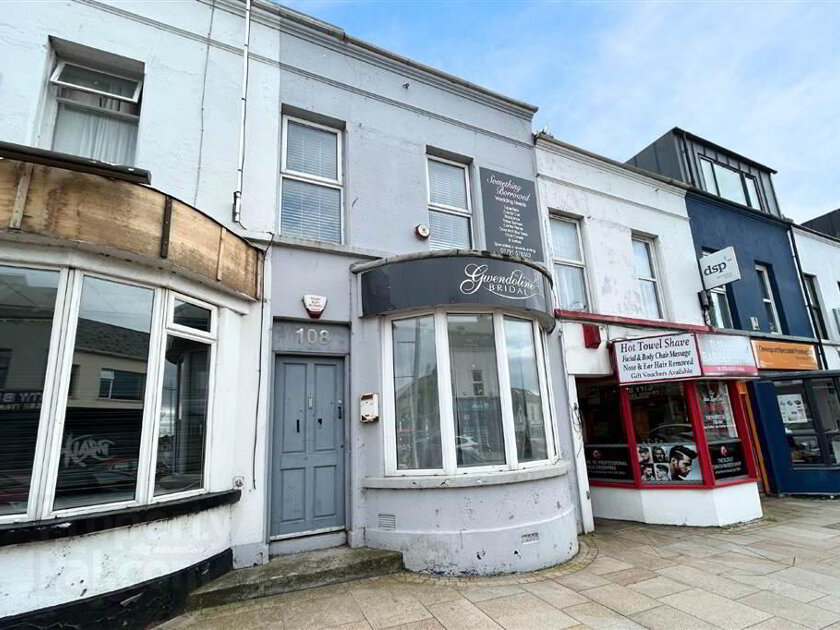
(298, 425)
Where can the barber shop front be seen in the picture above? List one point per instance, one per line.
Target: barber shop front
(459, 457)
(667, 438)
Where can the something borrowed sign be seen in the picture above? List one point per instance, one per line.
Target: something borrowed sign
(443, 280)
(511, 217)
(664, 358)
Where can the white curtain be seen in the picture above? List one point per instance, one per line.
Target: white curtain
(87, 133)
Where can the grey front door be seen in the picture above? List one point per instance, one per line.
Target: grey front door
(307, 492)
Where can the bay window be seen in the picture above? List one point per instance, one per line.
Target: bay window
(107, 393)
(467, 392)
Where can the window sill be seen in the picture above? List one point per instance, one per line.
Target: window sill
(52, 529)
(467, 480)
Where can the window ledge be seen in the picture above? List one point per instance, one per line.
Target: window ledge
(39, 531)
(422, 482)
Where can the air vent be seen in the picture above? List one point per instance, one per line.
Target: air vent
(530, 538)
(388, 522)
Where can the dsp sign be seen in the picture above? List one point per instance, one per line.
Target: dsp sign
(719, 268)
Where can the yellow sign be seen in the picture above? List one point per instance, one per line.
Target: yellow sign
(781, 355)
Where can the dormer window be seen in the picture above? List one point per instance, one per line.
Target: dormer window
(730, 184)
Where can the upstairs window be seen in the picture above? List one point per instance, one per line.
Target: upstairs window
(645, 269)
(312, 184)
(449, 205)
(569, 270)
(769, 299)
(817, 317)
(97, 113)
(730, 184)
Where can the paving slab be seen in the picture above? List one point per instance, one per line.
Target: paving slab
(715, 609)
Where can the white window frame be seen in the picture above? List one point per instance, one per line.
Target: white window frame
(59, 68)
(56, 393)
(308, 178)
(445, 403)
(568, 262)
(446, 208)
(650, 246)
(764, 278)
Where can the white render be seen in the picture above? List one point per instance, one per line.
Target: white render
(816, 251)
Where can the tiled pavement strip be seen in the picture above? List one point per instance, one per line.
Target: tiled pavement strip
(781, 572)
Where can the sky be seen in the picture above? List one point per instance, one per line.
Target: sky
(760, 78)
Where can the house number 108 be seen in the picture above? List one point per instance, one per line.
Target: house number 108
(312, 336)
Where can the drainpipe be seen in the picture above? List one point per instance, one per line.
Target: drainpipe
(808, 302)
(240, 164)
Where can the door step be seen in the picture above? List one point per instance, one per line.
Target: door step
(296, 572)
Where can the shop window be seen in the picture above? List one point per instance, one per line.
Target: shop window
(126, 380)
(645, 268)
(449, 205)
(667, 448)
(726, 450)
(815, 306)
(599, 414)
(312, 184)
(769, 299)
(486, 410)
(27, 305)
(798, 421)
(97, 113)
(569, 269)
(730, 184)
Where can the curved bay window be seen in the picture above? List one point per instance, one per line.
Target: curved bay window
(104, 392)
(468, 394)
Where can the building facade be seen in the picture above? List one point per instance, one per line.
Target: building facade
(656, 396)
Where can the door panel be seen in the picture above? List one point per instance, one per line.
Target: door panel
(307, 491)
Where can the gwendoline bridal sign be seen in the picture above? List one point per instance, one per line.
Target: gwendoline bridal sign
(514, 285)
(668, 357)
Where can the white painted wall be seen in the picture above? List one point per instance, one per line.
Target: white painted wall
(820, 256)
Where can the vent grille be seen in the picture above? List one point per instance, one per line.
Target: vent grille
(388, 522)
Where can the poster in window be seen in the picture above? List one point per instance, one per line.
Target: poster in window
(792, 408)
(669, 463)
(728, 459)
(608, 463)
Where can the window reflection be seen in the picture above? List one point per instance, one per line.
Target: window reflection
(528, 423)
(100, 444)
(183, 416)
(27, 303)
(191, 315)
(479, 440)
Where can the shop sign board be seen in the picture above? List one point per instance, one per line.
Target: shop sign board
(608, 462)
(782, 355)
(719, 268)
(726, 355)
(511, 216)
(663, 358)
(443, 280)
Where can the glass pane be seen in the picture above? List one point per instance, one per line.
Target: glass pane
(834, 445)
(313, 151)
(101, 441)
(729, 183)
(827, 403)
(708, 176)
(716, 409)
(94, 135)
(793, 406)
(191, 315)
(564, 240)
(771, 317)
(752, 190)
(571, 287)
(528, 423)
(447, 184)
(665, 438)
(721, 315)
(416, 405)
(183, 416)
(122, 385)
(650, 302)
(98, 81)
(449, 231)
(641, 259)
(311, 211)
(763, 282)
(479, 440)
(27, 303)
(805, 449)
(605, 443)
